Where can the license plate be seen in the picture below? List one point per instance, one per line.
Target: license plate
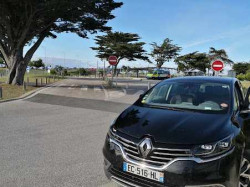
(143, 172)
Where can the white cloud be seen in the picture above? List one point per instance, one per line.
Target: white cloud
(230, 34)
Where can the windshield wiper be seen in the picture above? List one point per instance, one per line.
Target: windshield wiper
(166, 107)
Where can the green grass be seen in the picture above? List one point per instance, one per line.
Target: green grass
(33, 75)
(13, 91)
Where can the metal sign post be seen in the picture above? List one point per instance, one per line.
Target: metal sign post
(113, 62)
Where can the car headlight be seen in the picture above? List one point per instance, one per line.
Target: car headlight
(214, 149)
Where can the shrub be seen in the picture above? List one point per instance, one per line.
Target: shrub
(53, 72)
(241, 77)
(65, 73)
(247, 76)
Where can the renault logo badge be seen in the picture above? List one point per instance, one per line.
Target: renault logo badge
(145, 147)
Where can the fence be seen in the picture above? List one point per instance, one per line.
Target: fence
(34, 82)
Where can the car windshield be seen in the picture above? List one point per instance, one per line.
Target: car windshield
(201, 96)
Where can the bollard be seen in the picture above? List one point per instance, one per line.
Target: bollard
(127, 85)
(24, 86)
(149, 85)
(1, 92)
(28, 80)
(36, 82)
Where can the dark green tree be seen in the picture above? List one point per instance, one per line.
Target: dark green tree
(122, 45)
(37, 63)
(214, 54)
(59, 69)
(29, 22)
(164, 52)
(193, 60)
(241, 67)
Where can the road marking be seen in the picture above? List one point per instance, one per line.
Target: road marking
(84, 88)
(72, 86)
(139, 93)
(97, 89)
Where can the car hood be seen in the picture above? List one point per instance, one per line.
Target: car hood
(172, 126)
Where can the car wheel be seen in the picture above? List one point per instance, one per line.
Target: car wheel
(244, 173)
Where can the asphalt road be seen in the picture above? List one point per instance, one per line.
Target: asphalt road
(55, 137)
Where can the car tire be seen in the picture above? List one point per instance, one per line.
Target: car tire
(244, 180)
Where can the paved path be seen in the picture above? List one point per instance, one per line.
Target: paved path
(55, 137)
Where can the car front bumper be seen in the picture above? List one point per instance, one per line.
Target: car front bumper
(220, 172)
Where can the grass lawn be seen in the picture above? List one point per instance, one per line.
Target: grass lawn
(33, 75)
(13, 91)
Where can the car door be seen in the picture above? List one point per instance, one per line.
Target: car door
(243, 116)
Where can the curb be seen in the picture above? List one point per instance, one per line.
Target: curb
(28, 94)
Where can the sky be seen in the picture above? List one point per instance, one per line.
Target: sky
(195, 25)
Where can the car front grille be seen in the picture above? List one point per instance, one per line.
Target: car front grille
(157, 157)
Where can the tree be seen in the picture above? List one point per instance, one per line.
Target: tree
(241, 67)
(213, 54)
(38, 63)
(193, 60)
(1, 61)
(29, 22)
(59, 69)
(164, 52)
(122, 45)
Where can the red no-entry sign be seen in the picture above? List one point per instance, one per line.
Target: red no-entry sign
(113, 60)
(217, 65)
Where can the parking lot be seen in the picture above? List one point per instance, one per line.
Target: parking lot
(55, 136)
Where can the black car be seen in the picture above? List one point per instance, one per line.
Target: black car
(184, 132)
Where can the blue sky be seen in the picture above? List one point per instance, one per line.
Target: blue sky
(195, 25)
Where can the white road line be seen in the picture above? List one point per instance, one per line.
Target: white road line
(72, 86)
(139, 93)
(84, 88)
(97, 89)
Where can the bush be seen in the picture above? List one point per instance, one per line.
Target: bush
(53, 72)
(247, 76)
(241, 77)
(65, 72)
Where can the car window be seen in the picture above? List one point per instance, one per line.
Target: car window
(236, 101)
(187, 95)
(239, 92)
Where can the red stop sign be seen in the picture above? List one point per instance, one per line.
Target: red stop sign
(217, 65)
(113, 60)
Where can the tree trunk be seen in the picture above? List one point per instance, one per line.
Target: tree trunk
(20, 72)
(159, 65)
(14, 59)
